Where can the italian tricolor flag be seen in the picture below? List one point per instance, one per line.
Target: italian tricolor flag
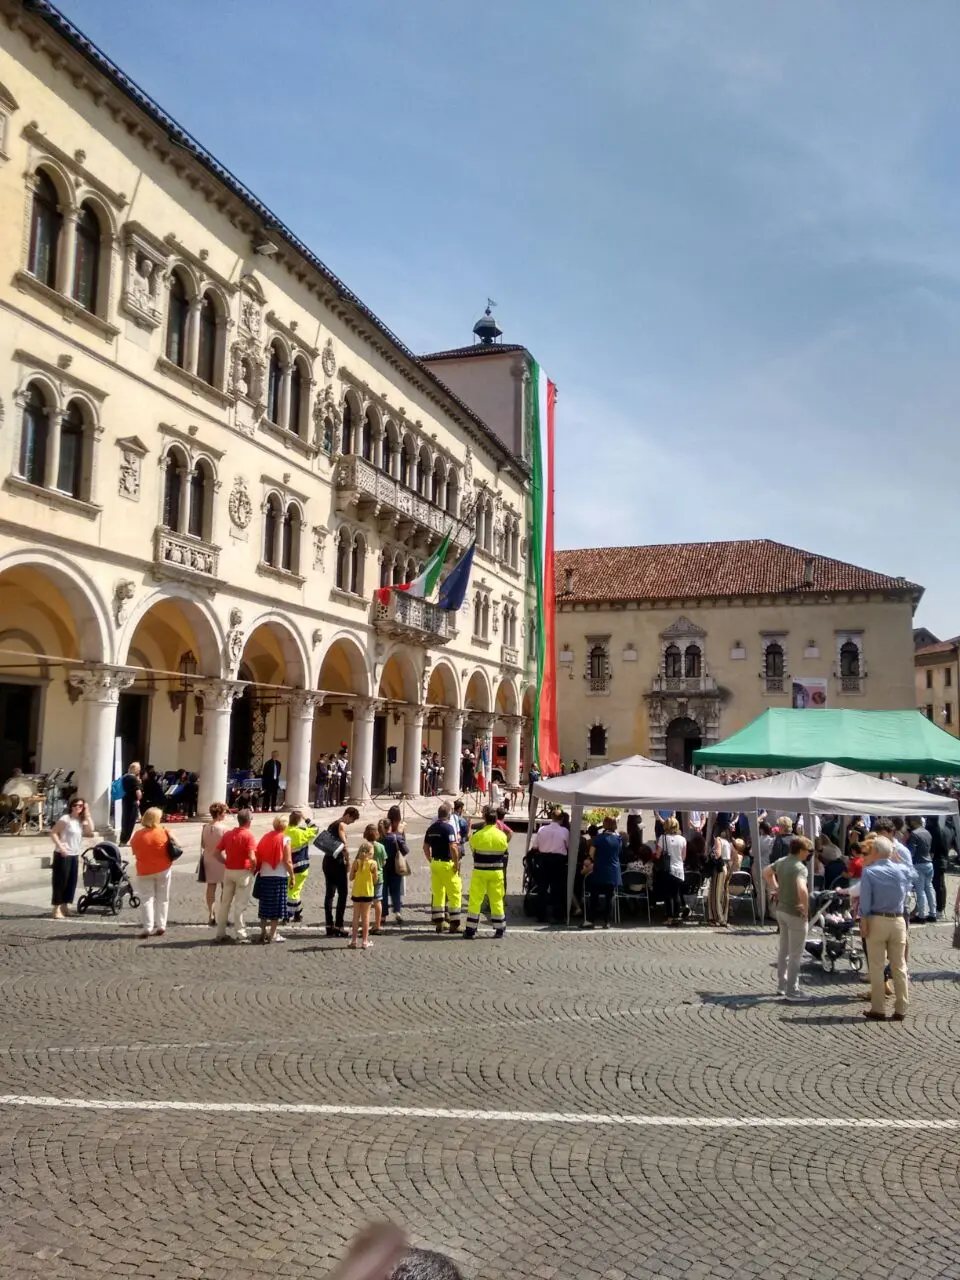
(546, 745)
(425, 585)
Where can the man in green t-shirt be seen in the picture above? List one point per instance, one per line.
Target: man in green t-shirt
(787, 882)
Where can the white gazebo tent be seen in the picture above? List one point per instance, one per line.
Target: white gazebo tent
(632, 783)
(827, 789)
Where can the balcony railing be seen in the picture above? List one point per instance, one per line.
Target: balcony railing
(359, 483)
(684, 684)
(178, 555)
(851, 684)
(410, 618)
(509, 656)
(776, 684)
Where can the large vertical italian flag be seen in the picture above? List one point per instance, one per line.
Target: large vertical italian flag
(546, 747)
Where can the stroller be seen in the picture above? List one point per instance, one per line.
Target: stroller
(105, 879)
(834, 934)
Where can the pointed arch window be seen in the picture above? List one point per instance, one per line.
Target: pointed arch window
(172, 489)
(70, 467)
(693, 662)
(274, 383)
(33, 437)
(296, 398)
(271, 529)
(46, 227)
(347, 429)
(342, 575)
(672, 662)
(357, 557)
(178, 311)
(86, 259)
(289, 538)
(199, 497)
(207, 346)
(366, 438)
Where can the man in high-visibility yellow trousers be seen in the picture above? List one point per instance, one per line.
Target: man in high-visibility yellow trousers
(488, 879)
(441, 848)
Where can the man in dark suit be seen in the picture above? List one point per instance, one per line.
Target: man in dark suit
(271, 782)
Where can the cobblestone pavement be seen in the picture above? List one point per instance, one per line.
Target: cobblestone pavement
(420, 1035)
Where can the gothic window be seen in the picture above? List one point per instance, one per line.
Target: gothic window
(346, 436)
(173, 470)
(397, 572)
(70, 468)
(422, 464)
(289, 539)
(296, 398)
(386, 569)
(477, 614)
(207, 345)
(693, 662)
(597, 668)
(485, 621)
(178, 311)
(199, 499)
(274, 383)
(33, 438)
(271, 526)
(390, 447)
(453, 493)
(46, 225)
(342, 576)
(672, 662)
(86, 259)
(850, 660)
(366, 438)
(598, 740)
(357, 557)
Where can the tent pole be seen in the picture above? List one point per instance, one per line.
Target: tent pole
(573, 854)
(755, 867)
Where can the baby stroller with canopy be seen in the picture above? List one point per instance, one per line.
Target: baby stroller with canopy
(105, 879)
(833, 933)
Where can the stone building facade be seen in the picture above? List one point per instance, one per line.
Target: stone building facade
(663, 649)
(937, 674)
(212, 453)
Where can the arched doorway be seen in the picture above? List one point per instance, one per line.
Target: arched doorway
(683, 739)
(399, 684)
(344, 679)
(244, 720)
(507, 749)
(272, 662)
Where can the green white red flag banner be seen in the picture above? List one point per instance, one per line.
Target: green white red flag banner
(424, 585)
(546, 743)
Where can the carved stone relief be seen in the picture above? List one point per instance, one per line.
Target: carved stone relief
(239, 504)
(328, 360)
(132, 451)
(144, 278)
(123, 593)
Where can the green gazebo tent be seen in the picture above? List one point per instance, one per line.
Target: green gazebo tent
(871, 741)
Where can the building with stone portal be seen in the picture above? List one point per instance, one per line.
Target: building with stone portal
(211, 454)
(663, 649)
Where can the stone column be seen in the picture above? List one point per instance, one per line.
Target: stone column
(361, 761)
(283, 412)
(218, 698)
(452, 750)
(67, 252)
(100, 689)
(484, 723)
(514, 728)
(412, 744)
(193, 335)
(302, 706)
(52, 464)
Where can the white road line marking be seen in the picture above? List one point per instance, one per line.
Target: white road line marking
(468, 1113)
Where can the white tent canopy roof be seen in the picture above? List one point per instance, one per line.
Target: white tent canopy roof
(634, 783)
(829, 788)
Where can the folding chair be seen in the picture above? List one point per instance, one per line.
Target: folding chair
(635, 889)
(740, 888)
(693, 895)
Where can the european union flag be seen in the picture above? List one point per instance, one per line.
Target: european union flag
(453, 589)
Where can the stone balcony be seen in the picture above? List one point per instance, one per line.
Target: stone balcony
(397, 511)
(409, 618)
(177, 555)
(683, 684)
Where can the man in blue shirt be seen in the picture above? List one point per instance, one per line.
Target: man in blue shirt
(884, 885)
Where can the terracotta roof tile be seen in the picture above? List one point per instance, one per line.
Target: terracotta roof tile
(942, 646)
(475, 349)
(709, 569)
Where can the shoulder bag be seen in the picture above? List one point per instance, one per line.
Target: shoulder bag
(173, 849)
(328, 843)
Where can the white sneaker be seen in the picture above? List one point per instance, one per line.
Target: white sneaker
(781, 991)
(795, 997)
(278, 937)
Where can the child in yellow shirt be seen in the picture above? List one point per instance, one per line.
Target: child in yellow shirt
(364, 877)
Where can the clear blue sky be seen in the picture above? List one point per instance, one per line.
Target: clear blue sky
(729, 231)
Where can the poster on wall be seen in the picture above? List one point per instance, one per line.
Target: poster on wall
(809, 692)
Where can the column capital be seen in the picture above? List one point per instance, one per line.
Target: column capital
(484, 720)
(414, 716)
(455, 719)
(303, 703)
(513, 722)
(219, 695)
(101, 683)
(365, 709)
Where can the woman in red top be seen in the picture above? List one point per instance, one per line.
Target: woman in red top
(274, 873)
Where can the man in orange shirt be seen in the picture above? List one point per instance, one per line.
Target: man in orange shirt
(237, 848)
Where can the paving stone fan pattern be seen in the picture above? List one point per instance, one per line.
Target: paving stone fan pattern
(621, 1023)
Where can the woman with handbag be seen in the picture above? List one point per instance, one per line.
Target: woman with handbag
(332, 842)
(154, 852)
(396, 865)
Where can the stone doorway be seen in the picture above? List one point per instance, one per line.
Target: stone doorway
(683, 738)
